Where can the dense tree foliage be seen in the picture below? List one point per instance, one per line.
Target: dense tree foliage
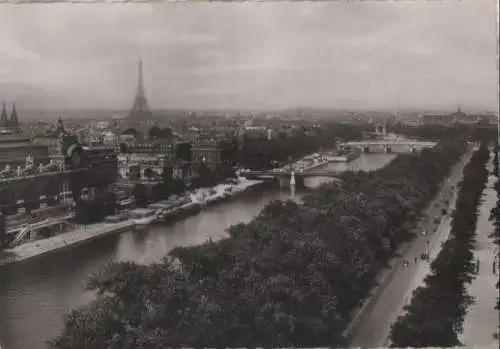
(3, 236)
(130, 131)
(261, 153)
(205, 176)
(168, 187)
(292, 276)
(434, 318)
(141, 194)
(495, 213)
(467, 132)
(156, 132)
(230, 150)
(496, 150)
(95, 210)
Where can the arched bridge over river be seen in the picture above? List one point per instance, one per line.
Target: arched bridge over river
(388, 144)
(292, 175)
(288, 174)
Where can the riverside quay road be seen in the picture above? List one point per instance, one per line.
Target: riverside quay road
(35, 294)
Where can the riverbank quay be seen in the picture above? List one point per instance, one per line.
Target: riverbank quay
(73, 238)
(223, 192)
(88, 233)
(352, 154)
(371, 321)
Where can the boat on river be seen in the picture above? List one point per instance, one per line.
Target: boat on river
(142, 217)
(343, 155)
(184, 211)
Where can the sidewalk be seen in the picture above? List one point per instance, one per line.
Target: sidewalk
(66, 240)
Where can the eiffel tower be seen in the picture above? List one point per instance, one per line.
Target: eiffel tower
(140, 109)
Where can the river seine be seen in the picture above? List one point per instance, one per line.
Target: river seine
(34, 295)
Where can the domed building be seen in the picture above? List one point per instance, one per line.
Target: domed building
(459, 117)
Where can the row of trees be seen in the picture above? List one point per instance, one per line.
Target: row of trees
(290, 277)
(434, 318)
(156, 132)
(95, 210)
(495, 212)
(262, 153)
(143, 194)
(258, 152)
(204, 177)
(468, 132)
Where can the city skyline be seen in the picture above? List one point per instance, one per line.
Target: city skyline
(251, 56)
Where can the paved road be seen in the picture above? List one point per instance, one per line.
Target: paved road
(374, 326)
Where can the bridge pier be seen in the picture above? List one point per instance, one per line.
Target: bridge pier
(381, 129)
(285, 182)
(411, 145)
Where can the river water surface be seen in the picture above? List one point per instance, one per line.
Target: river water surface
(34, 295)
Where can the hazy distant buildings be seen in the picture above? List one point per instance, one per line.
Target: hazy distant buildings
(458, 117)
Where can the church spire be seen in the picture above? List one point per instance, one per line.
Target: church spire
(14, 120)
(3, 118)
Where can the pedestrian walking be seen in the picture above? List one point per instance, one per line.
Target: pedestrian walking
(477, 266)
(416, 260)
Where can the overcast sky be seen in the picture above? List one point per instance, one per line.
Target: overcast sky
(251, 55)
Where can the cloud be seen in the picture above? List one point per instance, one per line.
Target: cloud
(253, 55)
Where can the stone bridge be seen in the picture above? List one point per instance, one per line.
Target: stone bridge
(387, 144)
(285, 176)
(288, 174)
